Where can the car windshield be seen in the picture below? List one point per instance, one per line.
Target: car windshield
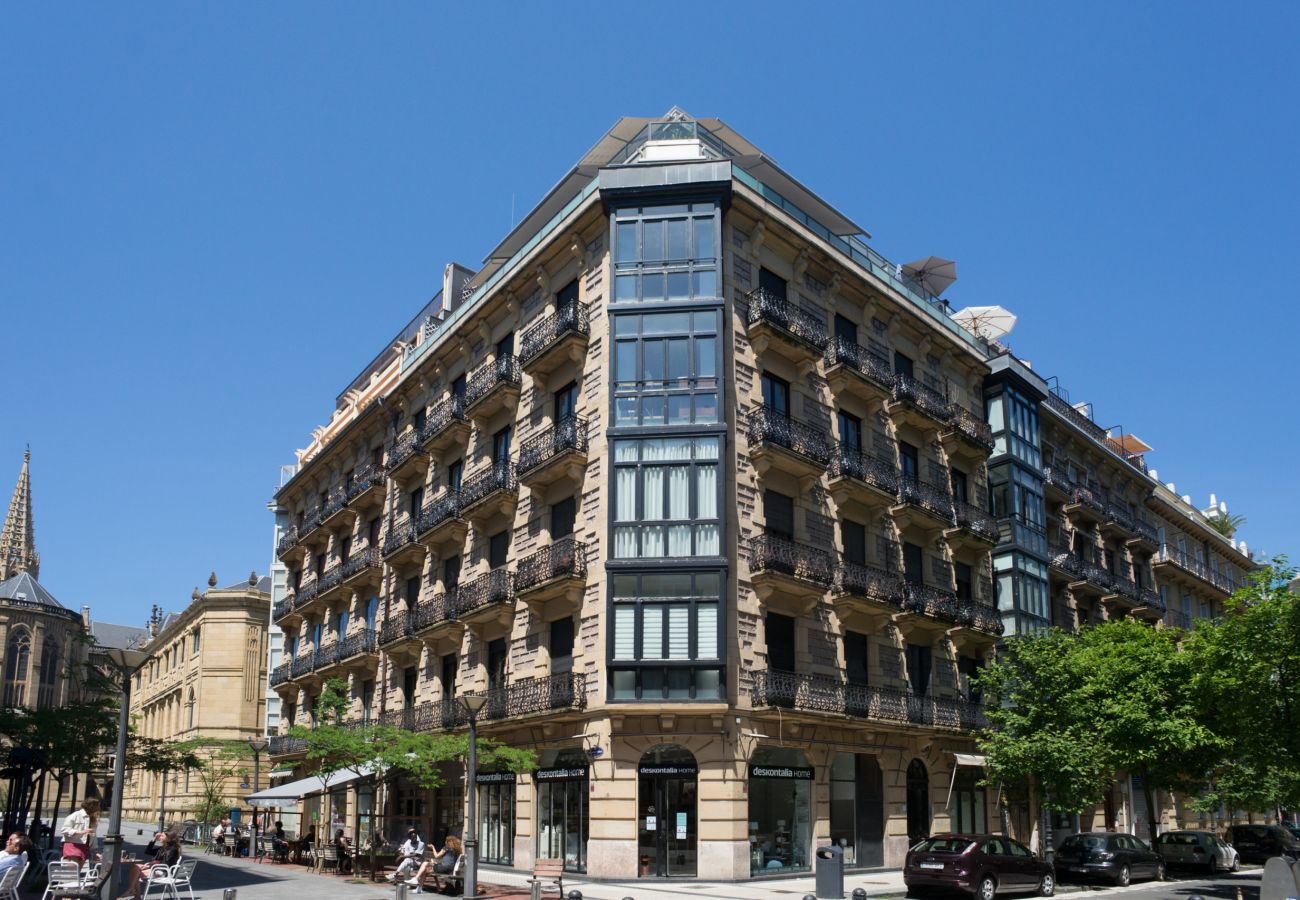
(1180, 838)
(1084, 842)
(944, 845)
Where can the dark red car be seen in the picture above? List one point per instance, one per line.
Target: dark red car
(983, 865)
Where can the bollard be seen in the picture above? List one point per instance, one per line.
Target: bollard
(535, 890)
(229, 894)
(402, 889)
(809, 897)
(575, 894)
(859, 894)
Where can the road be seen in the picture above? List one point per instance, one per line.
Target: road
(1180, 886)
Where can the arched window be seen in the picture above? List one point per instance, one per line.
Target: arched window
(918, 802)
(190, 709)
(18, 659)
(49, 676)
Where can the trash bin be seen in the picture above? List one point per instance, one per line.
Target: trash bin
(830, 872)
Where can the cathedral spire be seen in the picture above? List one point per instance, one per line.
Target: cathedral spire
(18, 539)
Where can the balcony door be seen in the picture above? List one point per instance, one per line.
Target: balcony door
(779, 631)
(566, 402)
(776, 394)
(913, 564)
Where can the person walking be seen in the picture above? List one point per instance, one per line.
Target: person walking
(78, 831)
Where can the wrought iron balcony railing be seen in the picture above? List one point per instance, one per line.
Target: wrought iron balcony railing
(1123, 585)
(330, 578)
(1120, 517)
(567, 435)
(303, 664)
(970, 426)
(1145, 530)
(400, 533)
(1057, 478)
(283, 744)
(929, 497)
(565, 558)
(767, 307)
(441, 508)
(849, 462)
(327, 654)
(1177, 619)
(943, 604)
(406, 446)
(922, 396)
(443, 607)
(399, 624)
(369, 558)
(368, 476)
(776, 553)
(537, 695)
(498, 373)
(843, 352)
(496, 586)
(767, 426)
(436, 715)
(310, 522)
(819, 693)
(975, 520)
(334, 501)
(306, 593)
(864, 580)
(1087, 425)
(499, 475)
(442, 416)
(1195, 567)
(1085, 497)
(357, 644)
(280, 674)
(287, 540)
(1149, 598)
(282, 609)
(571, 318)
(1064, 558)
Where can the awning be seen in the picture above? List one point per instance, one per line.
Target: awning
(963, 759)
(289, 793)
(278, 774)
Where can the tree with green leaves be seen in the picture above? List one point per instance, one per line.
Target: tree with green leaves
(219, 761)
(1246, 682)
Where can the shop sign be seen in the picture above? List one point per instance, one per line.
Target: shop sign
(495, 777)
(668, 770)
(801, 773)
(570, 773)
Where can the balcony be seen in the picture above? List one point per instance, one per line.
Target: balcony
(854, 369)
(1057, 484)
(280, 674)
(785, 572)
(401, 545)
(865, 595)
(284, 745)
(366, 489)
(288, 546)
(555, 572)
(494, 387)
(1083, 505)
(305, 594)
(282, 612)
(438, 715)
(974, 526)
(925, 505)
(335, 512)
(327, 656)
(442, 609)
(487, 599)
(440, 525)
(917, 404)
(1177, 619)
(365, 567)
(310, 523)
(489, 491)
(398, 626)
(928, 610)
(822, 695)
(1117, 522)
(303, 664)
(1185, 569)
(775, 323)
(557, 453)
(406, 457)
(1145, 537)
(330, 581)
(445, 426)
(532, 696)
(359, 649)
(967, 433)
(861, 477)
(779, 442)
(555, 341)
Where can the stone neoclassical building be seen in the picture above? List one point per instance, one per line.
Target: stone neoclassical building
(720, 508)
(204, 678)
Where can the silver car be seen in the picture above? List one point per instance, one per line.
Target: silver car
(1196, 849)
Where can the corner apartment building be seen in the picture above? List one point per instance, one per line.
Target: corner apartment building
(204, 677)
(695, 487)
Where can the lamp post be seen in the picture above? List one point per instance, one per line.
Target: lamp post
(162, 803)
(126, 662)
(257, 745)
(472, 703)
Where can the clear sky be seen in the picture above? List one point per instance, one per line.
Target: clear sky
(212, 216)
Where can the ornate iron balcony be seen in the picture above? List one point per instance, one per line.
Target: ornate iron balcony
(1087, 425)
(334, 502)
(843, 352)
(368, 476)
(287, 540)
(310, 523)
(369, 558)
(975, 520)
(306, 593)
(282, 609)
(399, 624)
(303, 664)
(926, 496)
(445, 506)
(437, 715)
(1150, 599)
(537, 695)
(981, 617)
(327, 654)
(864, 580)
(405, 447)
(400, 534)
(1146, 530)
(922, 396)
(330, 578)
(1120, 517)
(494, 587)
(970, 426)
(442, 416)
(501, 371)
(1195, 567)
(774, 553)
(357, 644)
(1085, 497)
(567, 435)
(282, 744)
(280, 674)
(819, 693)
(498, 475)
(1057, 477)
(1064, 559)
(767, 426)
(443, 607)
(850, 463)
(571, 318)
(1177, 619)
(768, 308)
(1096, 575)
(562, 559)
(1123, 585)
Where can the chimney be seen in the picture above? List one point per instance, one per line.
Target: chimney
(85, 617)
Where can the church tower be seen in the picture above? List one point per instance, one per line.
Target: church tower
(18, 539)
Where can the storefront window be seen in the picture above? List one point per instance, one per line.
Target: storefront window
(562, 813)
(666, 812)
(780, 811)
(365, 814)
(967, 806)
(496, 817)
(858, 809)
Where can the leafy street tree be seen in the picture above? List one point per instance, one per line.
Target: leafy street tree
(1247, 675)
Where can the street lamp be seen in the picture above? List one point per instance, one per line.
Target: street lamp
(126, 662)
(257, 745)
(473, 703)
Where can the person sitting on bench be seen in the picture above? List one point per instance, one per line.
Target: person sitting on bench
(441, 865)
(411, 852)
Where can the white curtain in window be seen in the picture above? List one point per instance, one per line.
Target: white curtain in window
(706, 448)
(706, 629)
(706, 540)
(625, 494)
(679, 540)
(652, 540)
(679, 632)
(679, 492)
(654, 493)
(625, 451)
(706, 479)
(652, 450)
(652, 632)
(625, 632)
(625, 542)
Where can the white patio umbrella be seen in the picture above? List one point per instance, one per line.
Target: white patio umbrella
(934, 274)
(986, 321)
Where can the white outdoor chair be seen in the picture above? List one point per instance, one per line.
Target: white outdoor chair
(9, 881)
(61, 875)
(89, 873)
(171, 881)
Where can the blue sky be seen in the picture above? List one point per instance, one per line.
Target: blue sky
(212, 216)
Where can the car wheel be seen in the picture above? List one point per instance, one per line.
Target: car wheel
(1160, 870)
(988, 888)
(1124, 877)
(1236, 864)
(1047, 887)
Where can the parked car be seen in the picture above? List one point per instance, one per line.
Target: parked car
(1258, 843)
(1198, 849)
(1118, 858)
(983, 865)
